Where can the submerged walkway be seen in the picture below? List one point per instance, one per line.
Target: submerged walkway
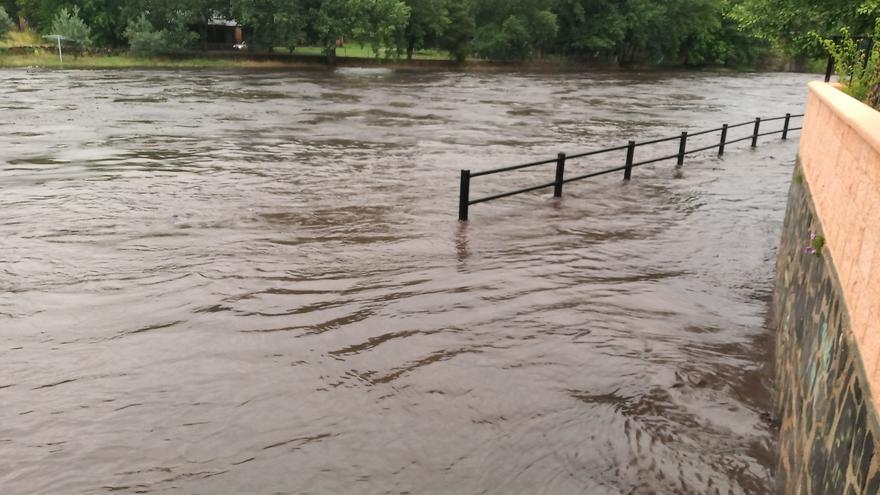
(222, 282)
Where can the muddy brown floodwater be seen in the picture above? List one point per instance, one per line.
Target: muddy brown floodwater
(233, 282)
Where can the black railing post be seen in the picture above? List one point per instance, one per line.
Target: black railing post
(785, 126)
(723, 140)
(630, 151)
(681, 147)
(560, 173)
(464, 195)
(755, 134)
(829, 68)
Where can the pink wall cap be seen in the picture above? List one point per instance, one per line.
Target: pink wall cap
(858, 116)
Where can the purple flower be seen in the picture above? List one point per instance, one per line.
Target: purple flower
(812, 236)
(810, 250)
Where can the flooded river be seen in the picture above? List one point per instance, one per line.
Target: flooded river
(231, 282)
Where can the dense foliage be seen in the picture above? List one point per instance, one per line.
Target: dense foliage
(68, 23)
(145, 39)
(857, 68)
(792, 24)
(625, 31)
(6, 23)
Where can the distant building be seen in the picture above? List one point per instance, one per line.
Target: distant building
(223, 34)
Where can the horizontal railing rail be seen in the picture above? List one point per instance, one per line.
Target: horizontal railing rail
(465, 201)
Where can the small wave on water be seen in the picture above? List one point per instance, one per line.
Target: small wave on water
(364, 71)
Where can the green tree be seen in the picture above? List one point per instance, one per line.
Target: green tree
(857, 68)
(274, 22)
(590, 28)
(107, 19)
(725, 44)
(6, 23)
(874, 94)
(508, 42)
(35, 11)
(649, 32)
(145, 39)
(544, 28)
(333, 20)
(693, 39)
(67, 23)
(459, 34)
(10, 6)
(790, 23)
(377, 22)
(428, 21)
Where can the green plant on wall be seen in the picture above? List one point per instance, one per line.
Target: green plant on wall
(817, 243)
(857, 69)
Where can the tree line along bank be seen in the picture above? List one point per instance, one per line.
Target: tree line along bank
(689, 32)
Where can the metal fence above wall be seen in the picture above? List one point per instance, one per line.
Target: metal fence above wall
(464, 201)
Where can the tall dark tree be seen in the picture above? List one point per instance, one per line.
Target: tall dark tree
(459, 35)
(374, 21)
(6, 23)
(11, 9)
(428, 20)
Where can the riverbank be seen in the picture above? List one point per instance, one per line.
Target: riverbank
(45, 58)
(48, 59)
(51, 61)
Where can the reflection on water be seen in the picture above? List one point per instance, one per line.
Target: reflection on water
(223, 282)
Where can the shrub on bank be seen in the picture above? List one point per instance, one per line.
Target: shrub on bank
(6, 23)
(506, 43)
(144, 39)
(857, 69)
(67, 23)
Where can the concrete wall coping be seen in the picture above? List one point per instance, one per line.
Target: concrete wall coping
(860, 117)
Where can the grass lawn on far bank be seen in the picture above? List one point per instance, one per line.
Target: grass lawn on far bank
(50, 60)
(22, 38)
(28, 49)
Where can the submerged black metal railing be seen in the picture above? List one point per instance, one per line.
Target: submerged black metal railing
(464, 200)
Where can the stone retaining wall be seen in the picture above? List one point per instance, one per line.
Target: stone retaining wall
(826, 304)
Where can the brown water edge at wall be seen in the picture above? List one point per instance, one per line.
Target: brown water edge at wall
(828, 440)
